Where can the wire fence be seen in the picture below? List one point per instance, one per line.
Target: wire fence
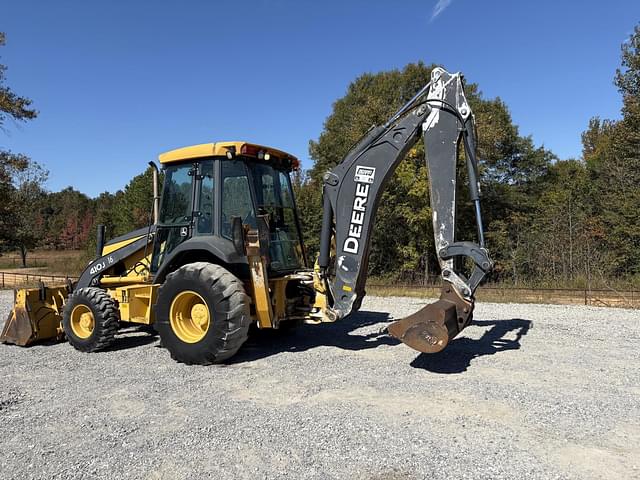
(15, 280)
(497, 293)
(16, 262)
(604, 297)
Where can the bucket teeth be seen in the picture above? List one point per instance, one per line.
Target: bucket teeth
(430, 329)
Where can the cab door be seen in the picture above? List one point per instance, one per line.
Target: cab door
(178, 207)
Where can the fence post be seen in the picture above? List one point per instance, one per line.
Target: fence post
(585, 296)
(2, 279)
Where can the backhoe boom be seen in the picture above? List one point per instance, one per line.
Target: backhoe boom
(352, 192)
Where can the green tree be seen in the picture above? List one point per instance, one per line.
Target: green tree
(20, 179)
(132, 207)
(307, 192)
(511, 171)
(567, 233)
(371, 99)
(10, 165)
(627, 77)
(612, 153)
(26, 201)
(12, 106)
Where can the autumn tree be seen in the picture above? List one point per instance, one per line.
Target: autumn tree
(68, 218)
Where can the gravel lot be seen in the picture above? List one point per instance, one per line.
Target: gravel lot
(528, 391)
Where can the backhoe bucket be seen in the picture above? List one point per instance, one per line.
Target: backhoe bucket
(430, 329)
(36, 316)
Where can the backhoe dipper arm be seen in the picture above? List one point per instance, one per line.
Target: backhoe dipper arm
(352, 192)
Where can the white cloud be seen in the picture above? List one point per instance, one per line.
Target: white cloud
(440, 7)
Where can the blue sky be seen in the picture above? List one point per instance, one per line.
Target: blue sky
(118, 82)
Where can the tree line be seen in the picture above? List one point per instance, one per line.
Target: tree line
(548, 221)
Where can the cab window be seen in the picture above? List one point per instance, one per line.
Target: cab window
(176, 197)
(204, 223)
(274, 198)
(175, 212)
(236, 196)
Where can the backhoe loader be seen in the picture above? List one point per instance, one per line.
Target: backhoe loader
(224, 248)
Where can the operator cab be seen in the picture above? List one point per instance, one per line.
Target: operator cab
(207, 186)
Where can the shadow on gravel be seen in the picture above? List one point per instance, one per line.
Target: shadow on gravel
(457, 357)
(264, 343)
(132, 337)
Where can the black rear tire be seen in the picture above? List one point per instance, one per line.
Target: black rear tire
(227, 305)
(106, 319)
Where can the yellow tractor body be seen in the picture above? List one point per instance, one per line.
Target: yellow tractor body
(123, 269)
(225, 247)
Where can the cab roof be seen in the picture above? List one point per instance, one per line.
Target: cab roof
(230, 150)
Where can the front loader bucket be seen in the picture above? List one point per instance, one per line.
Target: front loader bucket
(36, 316)
(430, 329)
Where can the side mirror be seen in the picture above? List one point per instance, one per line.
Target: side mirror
(237, 235)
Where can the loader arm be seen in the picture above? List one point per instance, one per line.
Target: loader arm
(352, 192)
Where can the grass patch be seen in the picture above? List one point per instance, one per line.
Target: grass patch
(50, 262)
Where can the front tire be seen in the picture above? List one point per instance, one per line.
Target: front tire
(202, 314)
(90, 319)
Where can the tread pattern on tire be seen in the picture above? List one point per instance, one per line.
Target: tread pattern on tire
(230, 309)
(106, 318)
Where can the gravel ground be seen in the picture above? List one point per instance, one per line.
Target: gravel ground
(528, 391)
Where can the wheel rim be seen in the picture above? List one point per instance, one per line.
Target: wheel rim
(189, 316)
(82, 321)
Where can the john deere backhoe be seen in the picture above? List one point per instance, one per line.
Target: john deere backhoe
(225, 248)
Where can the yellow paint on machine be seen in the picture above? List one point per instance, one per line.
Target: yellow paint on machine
(220, 149)
(118, 245)
(35, 318)
(261, 297)
(135, 302)
(279, 300)
(189, 316)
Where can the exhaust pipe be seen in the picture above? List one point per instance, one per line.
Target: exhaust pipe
(156, 197)
(100, 240)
